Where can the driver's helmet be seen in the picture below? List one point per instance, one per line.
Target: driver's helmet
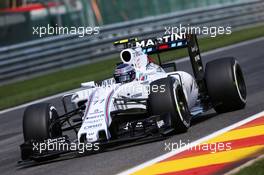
(124, 73)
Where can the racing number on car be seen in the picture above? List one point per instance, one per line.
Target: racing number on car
(100, 101)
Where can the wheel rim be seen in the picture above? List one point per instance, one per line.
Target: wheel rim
(181, 106)
(240, 82)
(54, 128)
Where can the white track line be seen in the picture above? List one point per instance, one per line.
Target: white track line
(178, 61)
(203, 139)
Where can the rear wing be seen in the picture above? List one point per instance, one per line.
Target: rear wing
(167, 43)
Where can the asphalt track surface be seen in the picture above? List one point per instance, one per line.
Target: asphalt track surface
(251, 58)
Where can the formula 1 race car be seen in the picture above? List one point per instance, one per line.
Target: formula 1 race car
(143, 101)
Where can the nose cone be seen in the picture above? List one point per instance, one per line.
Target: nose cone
(96, 115)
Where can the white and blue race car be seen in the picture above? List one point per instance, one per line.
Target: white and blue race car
(143, 101)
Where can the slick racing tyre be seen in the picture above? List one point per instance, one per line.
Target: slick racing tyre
(226, 85)
(170, 99)
(38, 122)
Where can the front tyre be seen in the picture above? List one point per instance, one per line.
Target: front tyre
(170, 99)
(38, 122)
(226, 85)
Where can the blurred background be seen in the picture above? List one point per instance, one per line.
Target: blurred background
(22, 15)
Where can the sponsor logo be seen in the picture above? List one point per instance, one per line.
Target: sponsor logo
(93, 126)
(160, 123)
(94, 117)
(90, 133)
(161, 40)
(96, 111)
(94, 121)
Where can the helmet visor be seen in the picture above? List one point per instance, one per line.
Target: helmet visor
(123, 78)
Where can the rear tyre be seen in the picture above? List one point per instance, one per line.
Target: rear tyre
(170, 99)
(226, 85)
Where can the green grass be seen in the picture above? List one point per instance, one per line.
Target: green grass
(256, 168)
(25, 91)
